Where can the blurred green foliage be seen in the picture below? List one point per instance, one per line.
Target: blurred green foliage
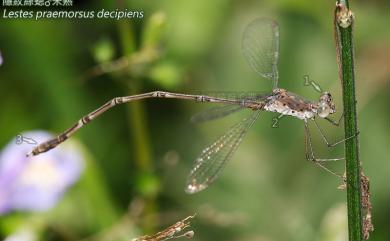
(268, 191)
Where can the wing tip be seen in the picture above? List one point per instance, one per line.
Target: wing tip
(194, 188)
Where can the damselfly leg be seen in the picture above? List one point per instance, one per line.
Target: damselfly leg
(309, 148)
(309, 153)
(326, 139)
(333, 122)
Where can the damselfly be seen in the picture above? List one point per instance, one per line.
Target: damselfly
(260, 46)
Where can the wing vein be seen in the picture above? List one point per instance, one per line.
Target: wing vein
(260, 46)
(213, 158)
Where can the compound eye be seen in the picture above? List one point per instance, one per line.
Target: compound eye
(324, 111)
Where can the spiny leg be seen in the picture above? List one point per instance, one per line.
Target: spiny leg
(309, 148)
(333, 122)
(326, 139)
(309, 153)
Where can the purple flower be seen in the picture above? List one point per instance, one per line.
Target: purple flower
(1, 59)
(23, 234)
(36, 183)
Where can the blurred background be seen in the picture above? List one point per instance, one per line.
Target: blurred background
(131, 163)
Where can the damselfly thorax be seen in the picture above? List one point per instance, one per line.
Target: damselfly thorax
(288, 103)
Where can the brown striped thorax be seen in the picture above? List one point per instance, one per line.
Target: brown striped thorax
(287, 103)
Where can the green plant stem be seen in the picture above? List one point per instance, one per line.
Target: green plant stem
(136, 109)
(139, 133)
(353, 169)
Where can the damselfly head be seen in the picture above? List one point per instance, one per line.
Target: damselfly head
(326, 105)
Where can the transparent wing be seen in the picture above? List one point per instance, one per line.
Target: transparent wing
(227, 109)
(215, 113)
(212, 160)
(260, 46)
